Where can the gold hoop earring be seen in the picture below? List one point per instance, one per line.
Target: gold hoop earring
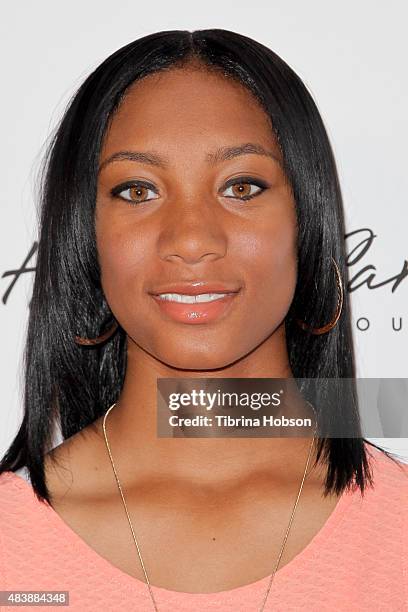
(99, 339)
(325, 328)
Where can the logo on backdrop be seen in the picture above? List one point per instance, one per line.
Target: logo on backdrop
(16, 273)
(362, 273)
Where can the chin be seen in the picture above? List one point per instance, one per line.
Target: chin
(190, 360)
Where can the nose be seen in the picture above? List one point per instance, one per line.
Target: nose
(191, 233)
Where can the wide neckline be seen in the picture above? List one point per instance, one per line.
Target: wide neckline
(115, 575)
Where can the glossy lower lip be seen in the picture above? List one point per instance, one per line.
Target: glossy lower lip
(196, 314)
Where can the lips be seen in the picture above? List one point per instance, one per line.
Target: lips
(199, 312)
(195, 288)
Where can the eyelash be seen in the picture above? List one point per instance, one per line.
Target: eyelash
(245, 180)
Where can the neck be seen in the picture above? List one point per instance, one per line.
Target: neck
(132, 426)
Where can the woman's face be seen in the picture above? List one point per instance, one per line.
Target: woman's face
(173, 208)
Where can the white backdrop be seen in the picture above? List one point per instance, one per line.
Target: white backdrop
(352, 57)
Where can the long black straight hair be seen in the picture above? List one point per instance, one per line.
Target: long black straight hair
(70, 386)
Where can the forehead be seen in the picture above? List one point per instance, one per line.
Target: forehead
(188, 108)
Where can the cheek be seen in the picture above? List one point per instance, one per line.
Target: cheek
(271, 270)
(123, 255)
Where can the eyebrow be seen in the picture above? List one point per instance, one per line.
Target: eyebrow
(222, 154)
(253, 148)
(146, 157)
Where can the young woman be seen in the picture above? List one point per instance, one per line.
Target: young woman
(194, 163)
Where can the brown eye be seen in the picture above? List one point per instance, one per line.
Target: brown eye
(135, 193)
(241, 189)
(244, 188)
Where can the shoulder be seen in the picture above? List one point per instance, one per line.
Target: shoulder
(20, 508)
(389, 473)
(17, 499)
(390, 478)
(385, 503)
(20, 520)
(12, 487)
(381, 511)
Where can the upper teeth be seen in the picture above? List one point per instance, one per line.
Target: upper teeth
(191, 299)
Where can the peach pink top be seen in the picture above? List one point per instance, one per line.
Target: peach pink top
(358, 560)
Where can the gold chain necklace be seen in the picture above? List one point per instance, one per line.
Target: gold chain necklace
(133, 532)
